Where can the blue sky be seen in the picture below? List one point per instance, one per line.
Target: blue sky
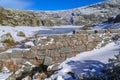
(46, 4)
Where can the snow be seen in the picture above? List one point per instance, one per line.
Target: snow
(4, 76)
(30, 43)
(26, 78)
(29, 63)
(50, 42)
(87, 62)
(60, 78)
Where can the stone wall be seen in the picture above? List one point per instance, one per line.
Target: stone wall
(58, 47)
(65, 46)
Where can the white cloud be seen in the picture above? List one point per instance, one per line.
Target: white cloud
(18, 4)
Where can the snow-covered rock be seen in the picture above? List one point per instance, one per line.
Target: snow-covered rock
(30, 43)
(5, 69)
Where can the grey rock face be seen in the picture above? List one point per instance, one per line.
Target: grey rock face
(47, 61)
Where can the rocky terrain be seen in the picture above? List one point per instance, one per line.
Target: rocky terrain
(27, 54)
(88, 15)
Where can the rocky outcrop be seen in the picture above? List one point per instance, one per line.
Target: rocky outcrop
(114, 19)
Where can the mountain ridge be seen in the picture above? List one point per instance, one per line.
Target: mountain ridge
(87, 15)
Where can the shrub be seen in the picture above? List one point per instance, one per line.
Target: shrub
(21, 34)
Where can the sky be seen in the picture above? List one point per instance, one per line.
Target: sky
(46, 4)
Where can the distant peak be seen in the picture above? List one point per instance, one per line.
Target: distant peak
(114, 1)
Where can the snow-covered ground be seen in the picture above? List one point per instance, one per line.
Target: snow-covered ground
(87, 62)
(29, 31)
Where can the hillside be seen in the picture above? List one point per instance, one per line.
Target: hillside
(87, 15)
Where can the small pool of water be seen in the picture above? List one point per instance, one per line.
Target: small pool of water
(51, 31)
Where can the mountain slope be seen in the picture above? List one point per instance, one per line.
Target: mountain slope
(87, 15)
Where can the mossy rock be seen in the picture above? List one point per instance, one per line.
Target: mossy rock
(7, 39)
(21, 34)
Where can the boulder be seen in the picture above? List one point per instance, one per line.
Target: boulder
(21, 34)
(117, 19)
(47, 61)
(7, 38)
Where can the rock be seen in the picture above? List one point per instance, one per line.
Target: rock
(17, 54)
(47, 61)
(40, 76)
(21, 34)
(11, 78)
(111, 19)
(1, 46)
(5, 69)
(29, 44)
(18, 74)
(27, 68)
(53, 67)
(12, 68)
(27, 78)
(5, 56)
(117, 19)
(7, 38)
(114, 1)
